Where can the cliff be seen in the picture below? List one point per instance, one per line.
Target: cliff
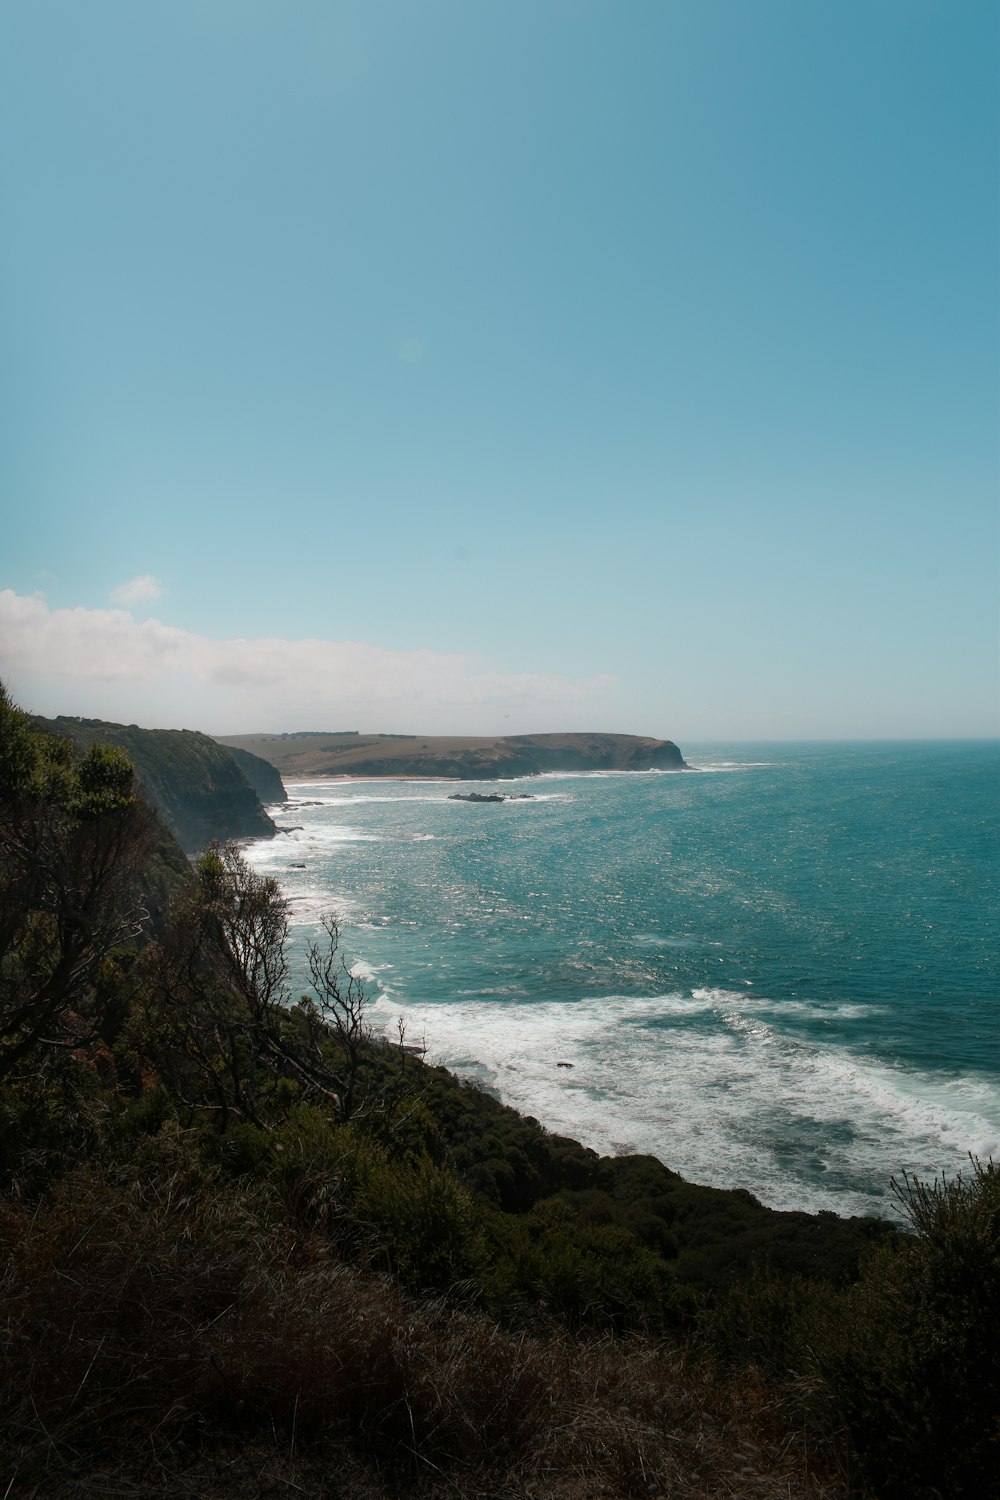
(469, 758)
(194, 784)
(262, 776)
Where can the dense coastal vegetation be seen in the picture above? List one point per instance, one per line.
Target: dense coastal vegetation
(199, 789)
(252, 1249)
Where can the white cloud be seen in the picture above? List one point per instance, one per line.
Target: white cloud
(143, 589)
(103, 663)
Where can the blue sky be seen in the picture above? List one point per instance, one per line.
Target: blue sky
(464, 366)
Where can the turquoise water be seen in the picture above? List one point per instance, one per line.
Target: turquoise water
(778, 971)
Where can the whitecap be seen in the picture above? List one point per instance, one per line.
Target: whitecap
(723, 766)
(720, 1096)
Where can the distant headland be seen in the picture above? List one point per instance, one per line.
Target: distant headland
(206, 788)
(457, 758)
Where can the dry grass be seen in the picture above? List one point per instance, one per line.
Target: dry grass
(160, 1339)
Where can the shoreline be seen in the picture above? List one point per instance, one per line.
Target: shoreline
(801, 1064)
(458, 757)
(346, 776)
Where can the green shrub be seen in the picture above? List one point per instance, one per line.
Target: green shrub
(50, 1119)
(422, 1221)
(912, 1359)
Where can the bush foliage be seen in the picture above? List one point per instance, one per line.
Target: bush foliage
(244, 1237)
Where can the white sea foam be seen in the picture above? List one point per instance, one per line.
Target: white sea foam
(825, 1010)
(313, 794)
(731, 765)
(366, 972)
(524, 800)
(603, 775)
(729, 1085)
(304, 883)
(360, 797)
(330, 792)
(726, 1100)
(308, 909)
(321, 836)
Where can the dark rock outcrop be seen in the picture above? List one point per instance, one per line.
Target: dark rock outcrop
(490, 797)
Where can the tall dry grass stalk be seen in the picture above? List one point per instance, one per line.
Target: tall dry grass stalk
(163, 1336)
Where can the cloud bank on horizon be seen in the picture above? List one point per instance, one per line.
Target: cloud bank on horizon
(503, 367)
(104, 663)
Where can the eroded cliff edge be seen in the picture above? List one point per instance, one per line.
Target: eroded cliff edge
(193, 782)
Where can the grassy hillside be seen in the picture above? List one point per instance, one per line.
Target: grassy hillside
(465, 758)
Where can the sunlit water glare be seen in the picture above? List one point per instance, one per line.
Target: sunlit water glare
(778, 971)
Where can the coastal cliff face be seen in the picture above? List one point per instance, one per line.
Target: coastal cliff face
(195, 785)
(457, 758)
(262, 776)
(596, 752)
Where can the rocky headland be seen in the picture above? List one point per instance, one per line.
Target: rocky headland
(458, 758)
(200, 789)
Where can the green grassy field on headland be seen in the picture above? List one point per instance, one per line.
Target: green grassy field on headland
(248, 1248)
(469, 758)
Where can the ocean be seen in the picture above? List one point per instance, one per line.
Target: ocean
(777, 971)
